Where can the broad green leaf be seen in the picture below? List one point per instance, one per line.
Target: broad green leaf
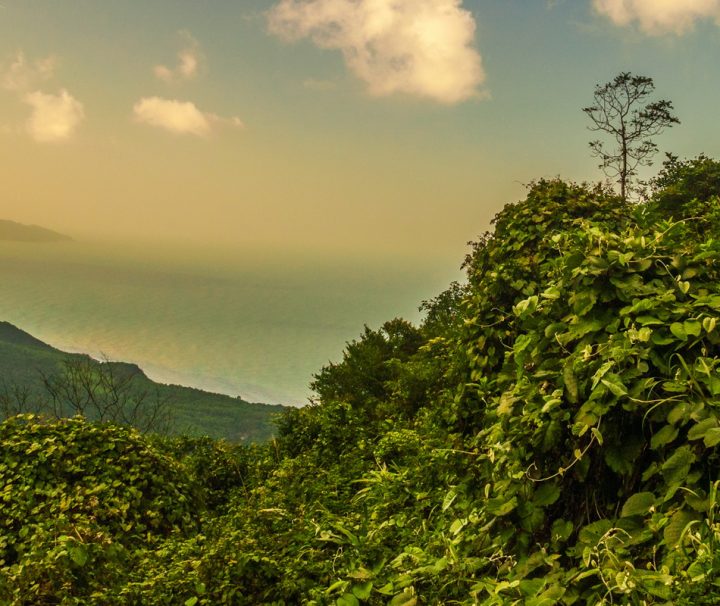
(677, 329)
(614, 384)
(191, 601)
(675, 528)
(678, 413)
(561, 530)
(699, 502)
(500, 506)
(78, 554)
(549, 597)
(347, 600)
(553, 432)
(655, 583)
(579, 330)
(659, 339)
(638, 504)
(649, 321)
(677, 467)
(675, 386)
(362, 591)
(507, 402)
(405, 598)
(522, 343)
(692, 327)
(546, 494)
(571, 385)
(449, 498)
(531, 517)
(601, 372)
(592, 533)
(583, 302)
(665, 435)
(387, 589)
(699, 430)
(651, 470)
(526, 307)
(638, 307)
(644, 334)
(618, 461)
(457, 525)
(712, 437)
(713, 383)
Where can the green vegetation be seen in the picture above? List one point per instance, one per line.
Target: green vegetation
(548, 435)
(17, 232)
(37, 378)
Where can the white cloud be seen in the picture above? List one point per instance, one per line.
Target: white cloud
(658, 17)
(22, 75)
(423, 48)
(54, 117)
(189, 59)
(179, 117)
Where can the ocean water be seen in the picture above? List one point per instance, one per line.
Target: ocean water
(238, 322)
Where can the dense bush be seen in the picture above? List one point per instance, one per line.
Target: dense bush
(77, 500)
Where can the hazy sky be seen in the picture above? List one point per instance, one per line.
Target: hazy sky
(396, 126)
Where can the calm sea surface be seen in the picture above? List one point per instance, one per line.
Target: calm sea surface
(228, 321)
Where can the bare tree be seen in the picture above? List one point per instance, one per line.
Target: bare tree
(621, 110)
(105, 392)
(15, 399)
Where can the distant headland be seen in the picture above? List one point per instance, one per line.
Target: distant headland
(17, 232)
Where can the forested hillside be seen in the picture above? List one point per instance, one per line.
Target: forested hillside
(548, 435)
(38, 378)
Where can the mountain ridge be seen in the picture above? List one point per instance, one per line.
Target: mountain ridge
(12, 231)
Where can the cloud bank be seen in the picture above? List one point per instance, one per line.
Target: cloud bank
(188, 65)
(54, 117)
(22, 75)
(423, 48)
(179, 117)
(657, 17)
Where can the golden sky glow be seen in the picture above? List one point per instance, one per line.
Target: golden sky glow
(323, 125)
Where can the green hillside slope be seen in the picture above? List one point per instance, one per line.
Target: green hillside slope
(26, 361)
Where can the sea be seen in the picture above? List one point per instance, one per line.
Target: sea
(251, 323)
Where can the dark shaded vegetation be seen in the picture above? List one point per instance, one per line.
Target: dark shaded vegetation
(549, 435)
(37, 378)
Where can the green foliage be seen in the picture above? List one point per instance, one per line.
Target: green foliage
(688, 191)
(363, 378)
(77, 499)
(548, 436)
(682, 181)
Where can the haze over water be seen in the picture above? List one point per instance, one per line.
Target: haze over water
(231, 321)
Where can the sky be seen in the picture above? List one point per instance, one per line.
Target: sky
(383, 127)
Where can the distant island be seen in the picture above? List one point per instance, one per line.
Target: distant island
(10, 231)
